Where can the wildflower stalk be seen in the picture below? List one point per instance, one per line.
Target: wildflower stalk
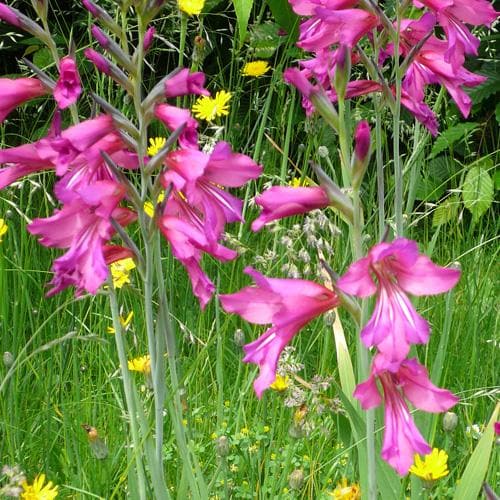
(398, 171)
(127, 387)
(357, 248)
(182, 40)
(191, 466)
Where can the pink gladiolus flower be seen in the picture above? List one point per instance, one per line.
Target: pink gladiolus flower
(9, 16)
(173, 118)
(98, 60)
(399, 269)
(186, 232)
(362, 141)
(452, 14)
(68, 87)
(402, 439)
(327, 27)
(282, 201)
(83, 226)
(148, 38)
(201, 179)
(288, 304)
(308, 7)
(14, 92)
(185, 83)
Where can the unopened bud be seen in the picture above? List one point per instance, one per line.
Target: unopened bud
(239, 337)
(361, 155)
(8, 359)
(450, 421)
(342, 70)
(296, 479)
(148, 38)
(222, 446)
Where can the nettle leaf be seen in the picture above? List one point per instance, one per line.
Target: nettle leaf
(446, 211)
(447, 138)
(431, 184)
(489, 87)
(264, 40)
(477, 191)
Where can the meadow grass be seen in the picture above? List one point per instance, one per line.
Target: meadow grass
(66, 367)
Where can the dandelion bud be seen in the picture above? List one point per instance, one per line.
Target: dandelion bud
(222, 446)
(239, 337)
(342, 70)
(361, 153)
(450, 421)
(323, 152)
(296, 479)
(148, 38)
(8, 359)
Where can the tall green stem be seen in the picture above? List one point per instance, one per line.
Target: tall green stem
(127, 387)
(398, 170)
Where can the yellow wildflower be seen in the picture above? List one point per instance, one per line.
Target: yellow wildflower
(3, 229)
(191, 7)
(273, 456)
(245, 431)
(255, 68)
(267, 428)
(254, 448)
(141, 364)
(434, 466)
(213, 435)
(125, 322)
(343, 491)
(298, 182)
(37, 491)
(280, 383)
(208, 108)
(155, 144)
(148, 206)
(120, 271)
(233, 468)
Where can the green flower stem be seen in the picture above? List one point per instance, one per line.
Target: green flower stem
(191, 466)
(398, 170)
(357, 248)
(182, 40)
(127, 387)
(380, 169)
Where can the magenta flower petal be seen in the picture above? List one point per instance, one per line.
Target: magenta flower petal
(358, 280)
(367, 393)
(288, 304)
(68, 87)
(282, 201)
(173, 118)
(14, 92)
(185, 83)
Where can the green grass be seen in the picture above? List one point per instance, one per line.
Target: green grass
(57, 386)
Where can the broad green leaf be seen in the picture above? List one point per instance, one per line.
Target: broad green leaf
(446, 211)
(43, 58)
(242, 9)
(346, 372)
(470, 483)
(477, 191)
(263, 40)
(490, 86)
(284, 16)
(448, 137)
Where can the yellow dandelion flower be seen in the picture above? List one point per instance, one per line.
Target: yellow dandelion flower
(298, 182)
(155, 144)
(141, 364)
(120, 271)
(344, 491)
(3, 229)
(434, 466)
(255, 68)
(148, 207)
(37, 490)
(208, 108)
(124, 321)
(280, 383)
(191, 7)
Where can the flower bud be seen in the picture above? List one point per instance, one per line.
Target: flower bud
(8, 359)
(222, 446)
(361, 153)
(99, 36)
(450, 421)
(239, 337)
(296, 479)
(342, 70)
(148, 38)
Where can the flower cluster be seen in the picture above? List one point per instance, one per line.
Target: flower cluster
(95, 162)
(332, 31)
